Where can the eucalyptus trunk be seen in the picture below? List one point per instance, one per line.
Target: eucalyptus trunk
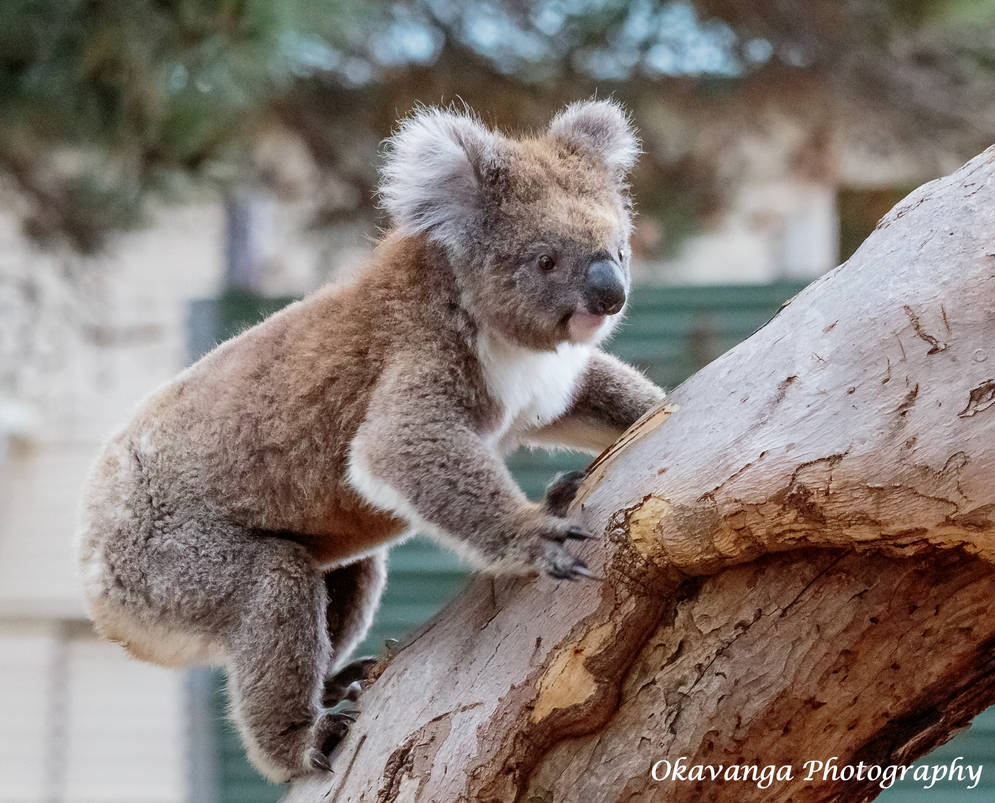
(796, 563)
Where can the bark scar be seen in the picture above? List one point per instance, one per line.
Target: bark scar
(568, 682)
(935, 345)
(981, 398)
(909, 401)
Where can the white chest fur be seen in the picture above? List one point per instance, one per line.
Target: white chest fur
(532, 387)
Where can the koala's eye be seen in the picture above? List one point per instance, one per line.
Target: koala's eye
(546, 262)
(621, 255)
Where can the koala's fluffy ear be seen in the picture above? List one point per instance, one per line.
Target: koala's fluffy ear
(436, 169)
(600, 128)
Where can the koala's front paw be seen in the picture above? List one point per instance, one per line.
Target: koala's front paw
(555, 560)
(562, 565)
(561, 492)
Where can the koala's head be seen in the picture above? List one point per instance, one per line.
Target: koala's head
(536, 229)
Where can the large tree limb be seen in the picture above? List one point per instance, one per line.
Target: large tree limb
(855, 432)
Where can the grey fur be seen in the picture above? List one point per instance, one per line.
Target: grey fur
(241, 517)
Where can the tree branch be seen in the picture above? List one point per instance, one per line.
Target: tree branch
(855, 418)
(857, 430)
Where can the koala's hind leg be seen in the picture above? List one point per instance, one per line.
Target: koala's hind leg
(257, 600)
(278, 654)
(353, 597)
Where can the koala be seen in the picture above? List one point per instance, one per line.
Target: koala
(242, 517)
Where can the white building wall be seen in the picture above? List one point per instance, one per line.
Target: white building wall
(81, 723)
(123, 728)
(81, 342)
(29, 653)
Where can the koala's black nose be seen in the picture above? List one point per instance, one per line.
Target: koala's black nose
(604, 290)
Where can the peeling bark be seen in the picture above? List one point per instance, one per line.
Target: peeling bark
(796, 561)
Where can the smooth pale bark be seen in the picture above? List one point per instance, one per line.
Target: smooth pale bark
(796, 562)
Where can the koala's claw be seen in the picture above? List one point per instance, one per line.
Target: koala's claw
(352, 691)
(330, 729)
(318, 760)
(562, 490)
(346, 684)
(571, 572)
(573, 532)
(562, 565)
(357, 670)
(578, 533)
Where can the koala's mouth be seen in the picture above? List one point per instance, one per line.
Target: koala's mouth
(583, 326)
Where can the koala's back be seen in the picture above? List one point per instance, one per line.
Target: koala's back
(257, 433)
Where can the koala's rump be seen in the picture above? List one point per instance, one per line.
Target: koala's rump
(254, 437)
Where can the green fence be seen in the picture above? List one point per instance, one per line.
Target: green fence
(669, 332)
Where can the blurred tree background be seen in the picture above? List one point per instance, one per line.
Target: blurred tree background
(775, 134)
(107, 103)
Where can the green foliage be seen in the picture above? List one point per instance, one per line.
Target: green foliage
(103, 99)
(104, 102)
(154, 78)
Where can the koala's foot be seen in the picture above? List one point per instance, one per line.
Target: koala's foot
(328, 732)
(561, 492)
(347, 683)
